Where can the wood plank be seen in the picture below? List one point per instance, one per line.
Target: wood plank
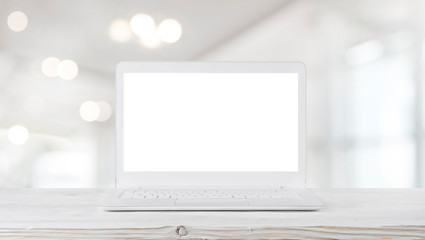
(169, 232)
(351, 214)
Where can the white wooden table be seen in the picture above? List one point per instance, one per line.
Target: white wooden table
(350, 214)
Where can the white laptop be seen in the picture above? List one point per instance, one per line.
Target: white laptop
(210, 136)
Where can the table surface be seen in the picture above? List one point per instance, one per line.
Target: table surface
(350, 214)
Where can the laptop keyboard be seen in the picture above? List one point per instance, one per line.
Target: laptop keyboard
(209, 193)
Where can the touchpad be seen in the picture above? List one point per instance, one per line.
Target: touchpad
(211, 202)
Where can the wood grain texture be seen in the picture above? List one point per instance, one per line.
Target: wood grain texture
(351, 214)
(169, 232)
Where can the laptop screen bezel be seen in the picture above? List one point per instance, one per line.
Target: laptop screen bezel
(212, 179)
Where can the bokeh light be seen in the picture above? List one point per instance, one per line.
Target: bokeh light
(142, 25)
(18, 134)
(17, 21)
(105, 111)
(152, 41)
(120, 31)
(50, 66)
(89, 111)
(68, 69)
(170, 30)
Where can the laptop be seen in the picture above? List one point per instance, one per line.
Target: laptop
(210, 136)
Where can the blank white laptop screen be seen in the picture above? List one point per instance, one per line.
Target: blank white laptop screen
(185, 122)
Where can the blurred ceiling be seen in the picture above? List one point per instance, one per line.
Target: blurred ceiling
(78, 30)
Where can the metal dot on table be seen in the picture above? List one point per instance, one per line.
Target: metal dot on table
(181, 231)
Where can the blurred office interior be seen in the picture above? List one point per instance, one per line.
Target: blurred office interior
(365, 95)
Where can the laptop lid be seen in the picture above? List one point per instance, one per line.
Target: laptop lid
(203, 124)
